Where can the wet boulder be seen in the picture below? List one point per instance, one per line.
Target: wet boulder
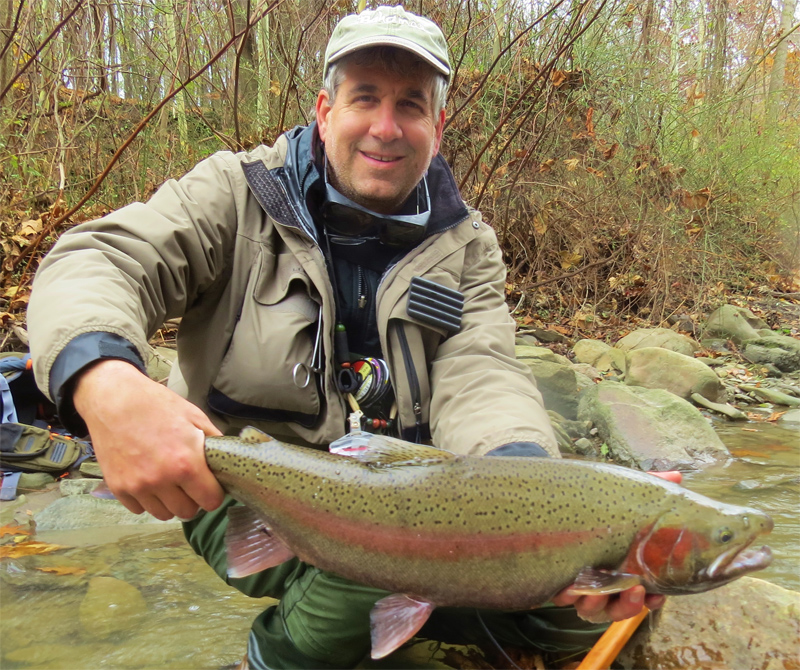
(779, 350)
(733, 323)
(663, 338)
(748, 623)
(650, 429)
(656, 368)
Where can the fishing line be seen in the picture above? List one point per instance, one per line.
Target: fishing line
(496, 643)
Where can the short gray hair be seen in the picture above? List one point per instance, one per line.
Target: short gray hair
(395, 61)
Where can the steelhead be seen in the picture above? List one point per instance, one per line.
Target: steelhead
(439, 529)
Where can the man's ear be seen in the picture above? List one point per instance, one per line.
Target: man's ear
(323, 109)
(439, 131)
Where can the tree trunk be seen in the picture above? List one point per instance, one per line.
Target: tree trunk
(779, 64)
(7, 13)
(97, 43)
(717, 56)
(248, 89)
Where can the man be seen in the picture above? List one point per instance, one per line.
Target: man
(346, 245)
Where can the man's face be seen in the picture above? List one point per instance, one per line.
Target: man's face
(380, 136)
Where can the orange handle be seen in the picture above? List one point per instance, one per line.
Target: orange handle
(611, 643)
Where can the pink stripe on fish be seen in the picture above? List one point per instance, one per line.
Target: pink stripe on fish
(433, 544)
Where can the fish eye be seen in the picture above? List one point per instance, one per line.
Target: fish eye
(725, 535)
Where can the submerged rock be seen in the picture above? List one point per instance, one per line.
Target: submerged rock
(748, 623)
(650, 429)
(110, 606)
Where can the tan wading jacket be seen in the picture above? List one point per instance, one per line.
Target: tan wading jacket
(229, 248)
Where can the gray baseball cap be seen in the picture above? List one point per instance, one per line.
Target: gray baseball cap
(389, 26)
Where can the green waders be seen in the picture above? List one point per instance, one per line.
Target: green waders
(322, 620)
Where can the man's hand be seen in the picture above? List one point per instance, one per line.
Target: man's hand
(617, 607)
(148, 440)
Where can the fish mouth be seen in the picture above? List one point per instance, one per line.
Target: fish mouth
(738, 561)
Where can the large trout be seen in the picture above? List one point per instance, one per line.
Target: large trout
(439, 529)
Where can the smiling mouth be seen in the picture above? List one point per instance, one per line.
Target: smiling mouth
(382, 159)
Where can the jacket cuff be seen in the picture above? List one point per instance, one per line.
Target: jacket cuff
(79, 354)
(519, 449)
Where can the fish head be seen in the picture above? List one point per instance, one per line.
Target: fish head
(700, 548)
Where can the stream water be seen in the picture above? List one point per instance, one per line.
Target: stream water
(137, 597)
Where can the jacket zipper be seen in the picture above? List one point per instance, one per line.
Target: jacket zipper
(413, 380)
(362, 296)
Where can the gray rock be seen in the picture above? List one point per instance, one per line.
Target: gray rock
(543, 353)
(779, 350)
(733, 323)
(651, 429)
(790, 418)
(86, 511)
(748, 623)
(613, 361)
(77, 487)
(583, 446)
(549, 336)
(526, 339)
(656, 368)
(588, 371)
(556, 379)
(90, 469)
(110, 606)
(588, 351)
(664, 338)
(34, 480)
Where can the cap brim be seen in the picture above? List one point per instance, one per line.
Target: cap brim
(393, 41)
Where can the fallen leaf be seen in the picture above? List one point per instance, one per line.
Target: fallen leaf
(751, 430)
(63, 570)
(539, 224)
(775, 416)
(572, 163)
(275, 87)
(547, 165)
(32, 548)
(589, 122)
(596, 173)
(13, 530)
(569, 259)
(609, 153)
(558, 77)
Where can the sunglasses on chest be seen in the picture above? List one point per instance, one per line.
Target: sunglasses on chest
(344, 217)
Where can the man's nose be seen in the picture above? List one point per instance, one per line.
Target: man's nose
(385, 124)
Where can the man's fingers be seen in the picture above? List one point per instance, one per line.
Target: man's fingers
(628, 604)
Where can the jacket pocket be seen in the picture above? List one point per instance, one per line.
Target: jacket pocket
(275, 331)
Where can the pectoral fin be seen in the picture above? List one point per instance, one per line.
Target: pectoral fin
(595, 582)
(394, 620)
(251, 545)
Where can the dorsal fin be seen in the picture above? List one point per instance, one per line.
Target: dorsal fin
(381, 450)
(254, 435)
